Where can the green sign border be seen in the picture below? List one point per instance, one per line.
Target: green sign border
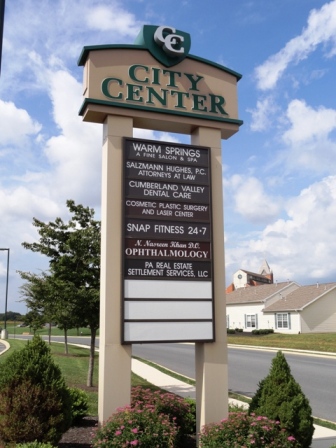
(88, 101)
(84, 55)
(86, 50)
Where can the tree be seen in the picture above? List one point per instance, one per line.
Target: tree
(48, 296)
(34, 320)
(279, 397)
(35, 403)
(74, 252)
(35, 293)
(11, 315)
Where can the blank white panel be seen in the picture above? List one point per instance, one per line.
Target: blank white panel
(168, 310)
(167, 289)
(167, 331)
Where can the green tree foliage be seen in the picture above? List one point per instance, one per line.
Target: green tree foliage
(280, 397)
(35, 294)
(33, 445)
(47, 296)
(11, 315)
(79, 404)
(35, 403)
(34, 320)
(73, 249)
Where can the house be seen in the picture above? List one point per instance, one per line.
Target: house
(243, 279)
(285, 307)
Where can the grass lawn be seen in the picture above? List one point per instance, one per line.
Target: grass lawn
(74, 368)
(13, 328)
(323, 342)
(75, 365)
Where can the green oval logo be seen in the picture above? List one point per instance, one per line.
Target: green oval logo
(166, 44)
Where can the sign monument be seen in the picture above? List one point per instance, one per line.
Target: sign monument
(162, 254)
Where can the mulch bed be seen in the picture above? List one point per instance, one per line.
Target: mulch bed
(81, 436)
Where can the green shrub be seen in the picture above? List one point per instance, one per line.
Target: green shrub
(34, 444)
(192, 415)
(135, 427)
(263, 331)
(35, 403)
(279, 397)
(230, 331)
(79, 404)
(179, 411)
(242, 430)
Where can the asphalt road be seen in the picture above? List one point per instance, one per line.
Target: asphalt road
(246, 367)
(316, 375)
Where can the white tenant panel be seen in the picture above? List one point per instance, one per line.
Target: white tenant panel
(188, 309)
(165, 331)
(167, 289)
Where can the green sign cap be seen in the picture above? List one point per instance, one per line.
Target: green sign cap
(166, 44)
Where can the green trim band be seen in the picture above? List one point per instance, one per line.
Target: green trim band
(86, 50)
(153, 109)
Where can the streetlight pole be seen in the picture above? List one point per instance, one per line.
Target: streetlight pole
(5, 334)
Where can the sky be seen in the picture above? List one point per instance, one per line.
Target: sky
(279, 170)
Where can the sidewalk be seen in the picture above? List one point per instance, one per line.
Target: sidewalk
(323, 437)
(4, 346)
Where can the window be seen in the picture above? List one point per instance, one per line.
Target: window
(250, 321)
(282, 320)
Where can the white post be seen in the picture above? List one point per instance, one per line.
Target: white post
(114, 358)
(211, 358)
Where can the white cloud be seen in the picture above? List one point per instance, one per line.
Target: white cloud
(55, 32)
(252, 201)
(320, 29)
(23, 203)
(16, 124)
(261, 116)
(113, 18)
(301, 247)
(75, 153)
(148, 134)
(310, 145)
(307, 123)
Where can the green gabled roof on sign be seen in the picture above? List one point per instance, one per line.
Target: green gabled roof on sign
(86, 50)
(154, 109)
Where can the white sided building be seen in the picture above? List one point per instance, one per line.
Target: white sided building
(284, 307)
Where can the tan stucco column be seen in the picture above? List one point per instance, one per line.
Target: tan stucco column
(211, 358)
(114, 358)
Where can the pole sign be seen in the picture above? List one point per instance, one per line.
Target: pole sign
(158, 200)
(167, 254)
(160, 85)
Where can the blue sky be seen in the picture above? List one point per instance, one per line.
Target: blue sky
(279, 171)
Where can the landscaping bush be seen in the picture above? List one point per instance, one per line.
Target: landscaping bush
(136, 427)
(279, 397)
(263, 331)
(79, 404)
(192, 415)
(179, 411)
(35, 404)
(230, 331)
(33, 445)
(242, 430)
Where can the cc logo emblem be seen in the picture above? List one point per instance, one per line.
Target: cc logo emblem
(170, 42)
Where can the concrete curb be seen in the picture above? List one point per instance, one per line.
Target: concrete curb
(6, 344)
(323, 437)
(286, 350)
